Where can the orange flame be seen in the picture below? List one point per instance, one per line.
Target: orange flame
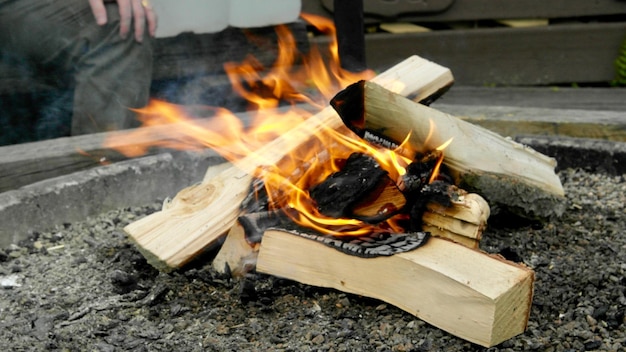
(287, 183)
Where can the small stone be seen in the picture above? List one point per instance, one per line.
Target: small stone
(343, 302)
(381, 307)
(592, 345)
(318, 340)
(122, 278)
(591, 321)
(222, 329)
(10, 281)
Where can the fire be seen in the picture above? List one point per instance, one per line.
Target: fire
(286, 182)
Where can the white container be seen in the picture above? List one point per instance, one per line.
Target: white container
(198, 16)
(209, 16)
(261, 13)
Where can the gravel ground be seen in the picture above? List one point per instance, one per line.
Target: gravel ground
(84, 287)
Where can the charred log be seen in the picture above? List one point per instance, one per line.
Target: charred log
(507, 173)
(360, 180)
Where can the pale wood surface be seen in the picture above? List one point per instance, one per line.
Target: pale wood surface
(236, 256)
(467, 293)
(499, 169)
(173, 236)
(463, 222)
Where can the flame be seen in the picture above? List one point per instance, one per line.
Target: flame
(287, 182)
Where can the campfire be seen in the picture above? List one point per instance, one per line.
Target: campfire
(376, 195)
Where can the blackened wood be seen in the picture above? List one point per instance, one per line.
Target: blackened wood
(419, 172)
(438, 192)
(368, 246)
(358, 178)
(254, 224)
(348, 17)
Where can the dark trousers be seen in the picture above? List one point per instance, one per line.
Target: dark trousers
(60, 41)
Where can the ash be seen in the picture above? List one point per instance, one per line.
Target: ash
(83, 286)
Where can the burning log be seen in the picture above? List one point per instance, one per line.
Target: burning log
(503, 171)
(463, 222)
(480, 298)
(361, 190)
(201, 214)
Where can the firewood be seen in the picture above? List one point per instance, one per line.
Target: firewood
(170, 238)
(360, 190)
(503, 171)
(237, 256)
(478, 297)
(463, 223)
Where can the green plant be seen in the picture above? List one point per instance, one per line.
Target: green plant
(620, 67)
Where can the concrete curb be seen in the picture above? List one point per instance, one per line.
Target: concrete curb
(76, 196)
(137, 182)
(589, 154)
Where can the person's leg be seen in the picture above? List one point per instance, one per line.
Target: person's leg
(110, 74)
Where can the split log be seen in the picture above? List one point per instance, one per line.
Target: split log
(463, 223)
(503, 171)
(201, 214)
(481, 298)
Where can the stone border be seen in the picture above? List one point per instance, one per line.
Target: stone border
(137, 182)
(82, 194)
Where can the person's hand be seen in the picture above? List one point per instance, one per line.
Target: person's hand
(138, 12)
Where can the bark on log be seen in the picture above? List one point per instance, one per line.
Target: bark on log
(200, 215)
(503, 171)
(475, 296)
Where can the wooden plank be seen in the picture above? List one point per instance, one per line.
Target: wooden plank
(23, 164)
(516, 121)
(583, 53)
(479, 160)
(575, 98)
(469, 10)
(477, 297)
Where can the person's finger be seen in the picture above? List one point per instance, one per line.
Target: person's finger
(126, 12)
(139, 18)
(99, 12)
(151, 17)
